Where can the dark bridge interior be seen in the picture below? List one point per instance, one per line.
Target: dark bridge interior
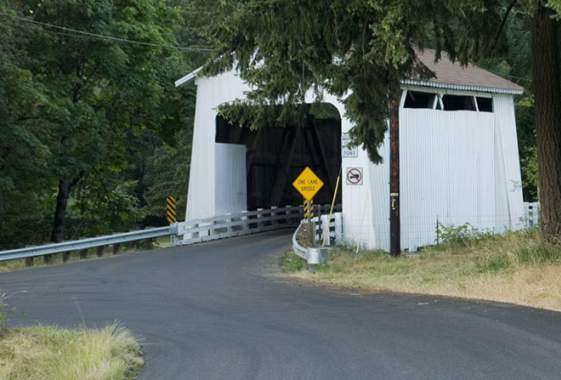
(276, 156)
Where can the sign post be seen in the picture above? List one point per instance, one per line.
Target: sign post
(170, 209)
(308, 184)
(395, 219)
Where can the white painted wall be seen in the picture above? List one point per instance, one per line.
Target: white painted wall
(230, 179)
(459, 166)
(211, 92)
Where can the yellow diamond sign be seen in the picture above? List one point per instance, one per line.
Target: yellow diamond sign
(308, 184)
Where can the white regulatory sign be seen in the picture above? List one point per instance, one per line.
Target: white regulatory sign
(353, 176)
(346, 151)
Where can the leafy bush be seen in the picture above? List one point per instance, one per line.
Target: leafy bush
(460, 236)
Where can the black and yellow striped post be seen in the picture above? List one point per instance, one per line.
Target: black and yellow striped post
(170, 209)
(308, 209)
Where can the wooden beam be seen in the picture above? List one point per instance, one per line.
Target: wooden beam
(323, 157)
(286, 156)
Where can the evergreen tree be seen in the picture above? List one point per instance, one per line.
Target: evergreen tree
(361, 50)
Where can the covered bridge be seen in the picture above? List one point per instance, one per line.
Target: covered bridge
(458, 148)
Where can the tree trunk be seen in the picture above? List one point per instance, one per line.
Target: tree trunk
(547, 92)
(64, 188)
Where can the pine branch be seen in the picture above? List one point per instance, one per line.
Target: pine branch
(503, 23)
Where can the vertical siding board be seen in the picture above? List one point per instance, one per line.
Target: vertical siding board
(446, 172)
(508, 146)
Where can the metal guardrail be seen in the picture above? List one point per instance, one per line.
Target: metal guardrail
(218, 227)
(327, 230)
(80, 245)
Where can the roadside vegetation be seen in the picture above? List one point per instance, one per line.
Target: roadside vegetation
(517, 267)
(52, 353)
(57, 259)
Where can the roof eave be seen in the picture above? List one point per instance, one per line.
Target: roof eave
(462, 87)
(188, 78)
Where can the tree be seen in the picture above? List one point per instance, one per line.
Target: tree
(362, 49)
(23, 154)
(546, 73)
(97, 94)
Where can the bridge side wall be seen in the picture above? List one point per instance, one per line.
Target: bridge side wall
(457, 167)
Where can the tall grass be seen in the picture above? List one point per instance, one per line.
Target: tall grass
(517, 267)
(48, 353)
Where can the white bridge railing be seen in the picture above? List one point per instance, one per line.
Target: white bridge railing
(532, 214)
(244, 223)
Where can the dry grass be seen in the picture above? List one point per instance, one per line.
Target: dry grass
(47, 353)
(516, 268)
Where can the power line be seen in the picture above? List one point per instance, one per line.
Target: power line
(69, 31)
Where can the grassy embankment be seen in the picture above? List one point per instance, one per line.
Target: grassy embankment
(48, 353)
(517, 267)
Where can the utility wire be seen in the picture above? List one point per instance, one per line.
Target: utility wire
(104, 36)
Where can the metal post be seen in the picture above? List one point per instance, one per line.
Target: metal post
(437, 231)
(395, 224)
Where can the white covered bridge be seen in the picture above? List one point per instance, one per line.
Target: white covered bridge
(458, 148)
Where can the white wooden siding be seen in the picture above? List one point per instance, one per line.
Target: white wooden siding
(457, 166)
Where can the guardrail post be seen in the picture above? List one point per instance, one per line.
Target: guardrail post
(324, 223)
(244, 221)
(259, 216)
(116, 248)
(29, 261)
(99, 251)
(83, 254)
(229, 229)
(66, 256)
(338, 227)
(272, 216)
(47, 259)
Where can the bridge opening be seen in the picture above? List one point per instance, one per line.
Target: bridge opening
(256, 168)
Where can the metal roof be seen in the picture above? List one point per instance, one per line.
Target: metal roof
(453, 76)
(448, 76)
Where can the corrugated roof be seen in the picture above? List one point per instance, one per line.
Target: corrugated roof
(453, 75)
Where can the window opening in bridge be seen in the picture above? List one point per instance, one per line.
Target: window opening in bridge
(484, 104)
(275, 155)
(458, 103)
(417, 99)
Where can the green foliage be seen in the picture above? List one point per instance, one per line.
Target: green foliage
(460, 236)
(290, 262)
(90, 112)
(538, 253)
(493, 264)
(358, 50)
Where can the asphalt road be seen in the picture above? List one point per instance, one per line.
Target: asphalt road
(217, 311)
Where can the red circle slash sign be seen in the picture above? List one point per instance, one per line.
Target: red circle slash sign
(354, 176)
